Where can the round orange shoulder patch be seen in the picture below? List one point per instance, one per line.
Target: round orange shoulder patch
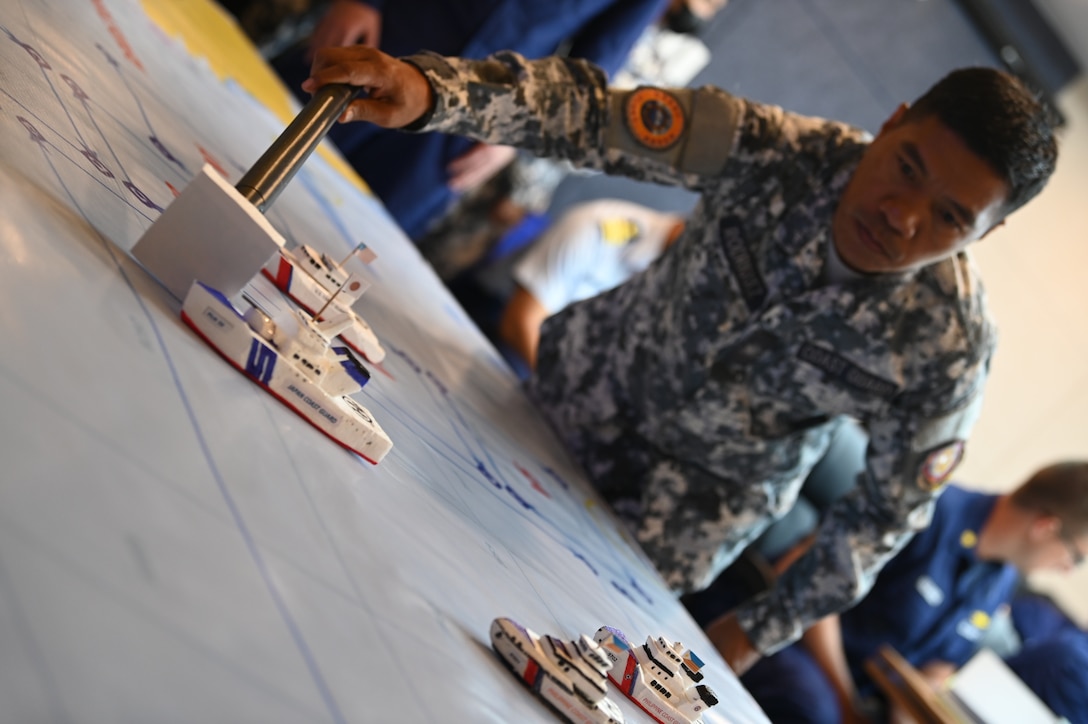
(655, 118)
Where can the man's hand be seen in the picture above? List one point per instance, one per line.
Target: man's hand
(477, 165)
(397, 92)
(347, 22)
(937, 673)
(733, 644)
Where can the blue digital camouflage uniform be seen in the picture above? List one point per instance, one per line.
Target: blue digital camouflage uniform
(698, 394)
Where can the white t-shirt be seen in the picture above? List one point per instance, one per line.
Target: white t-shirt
(593, 247)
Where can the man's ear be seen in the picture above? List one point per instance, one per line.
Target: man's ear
(895, 118)
(1045, 526)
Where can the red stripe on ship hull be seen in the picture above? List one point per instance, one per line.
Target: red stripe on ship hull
(283, 274)
(532, 673)
(630, 675)
(185, 318)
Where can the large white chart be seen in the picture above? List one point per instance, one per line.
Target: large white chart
(175, 545)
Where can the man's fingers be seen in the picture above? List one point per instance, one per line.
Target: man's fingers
(398, 93)
(362, 110)
(375, 111)
(354, 65)
(356, 74)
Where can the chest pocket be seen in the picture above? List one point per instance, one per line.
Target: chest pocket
(799, 381)
(709, 426)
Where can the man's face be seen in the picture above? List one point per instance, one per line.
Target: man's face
(918, 195)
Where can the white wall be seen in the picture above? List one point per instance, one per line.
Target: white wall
(1036, 274)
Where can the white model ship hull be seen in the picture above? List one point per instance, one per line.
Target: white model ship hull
(342, 419)
(661, 687)
(522, 652)
(290, 274)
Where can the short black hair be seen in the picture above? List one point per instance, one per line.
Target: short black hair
(1001, 121)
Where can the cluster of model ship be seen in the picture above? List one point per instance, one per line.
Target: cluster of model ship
(662, 677)
(307, 361)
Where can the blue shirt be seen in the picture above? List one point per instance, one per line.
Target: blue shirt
(936, 598)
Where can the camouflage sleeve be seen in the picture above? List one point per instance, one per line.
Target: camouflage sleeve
(563, 108)
(910, 456)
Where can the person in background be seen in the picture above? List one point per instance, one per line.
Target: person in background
(591, 248)
(822, 274)
(417, 176)
(934, 601)
(521, 193)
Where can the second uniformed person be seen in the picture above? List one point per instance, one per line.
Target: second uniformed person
(934, 602)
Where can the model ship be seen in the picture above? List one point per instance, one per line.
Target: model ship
(295, 361)
(569, 676)
(311, 279)
(662, 677)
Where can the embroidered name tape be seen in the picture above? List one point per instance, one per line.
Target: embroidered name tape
(742, 264)
(846, 371)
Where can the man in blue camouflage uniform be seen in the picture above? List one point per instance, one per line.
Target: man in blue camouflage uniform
(820, 275)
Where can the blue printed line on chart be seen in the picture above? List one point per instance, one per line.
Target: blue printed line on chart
(359, 600)
(425, 432)
(184, 494)
(493, 475)
(430, 384)
(154, 137)
(275, 594)
(86, 151)
(473, 475)
(329, 208)
(43, 66)
(437, 385)
(147, 614)
(593, 531)
(82, 97)
(37, 137)
(429, 381)
(609, 543)
(513, 500)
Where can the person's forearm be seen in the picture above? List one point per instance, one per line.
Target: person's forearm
(824, 641)
(553, 107)
(520, 324)
(562, 108)
(733, 644)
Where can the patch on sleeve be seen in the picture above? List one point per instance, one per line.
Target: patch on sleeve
(654, 118)
(939, 464)
(742, 264)
(618, 231)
